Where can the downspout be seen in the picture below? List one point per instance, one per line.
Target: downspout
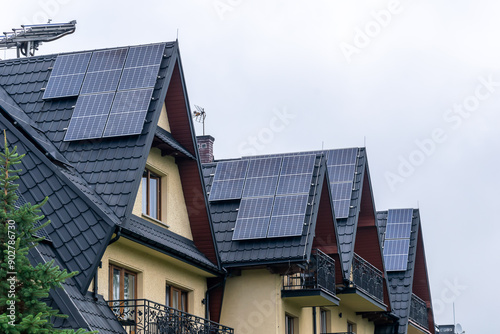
(115, 239)
(207, 296)
(95, 282)
(117, 236)
(314, 320)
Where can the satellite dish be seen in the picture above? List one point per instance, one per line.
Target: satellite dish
(458, 329)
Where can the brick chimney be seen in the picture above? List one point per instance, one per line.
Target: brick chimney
(206, 148)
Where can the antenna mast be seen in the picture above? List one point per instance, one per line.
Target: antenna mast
(28, 38)
(199, 115)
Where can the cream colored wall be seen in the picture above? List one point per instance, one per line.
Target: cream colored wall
(154, 270)
(174, 211)
(163, 121)
(252, 303)
(339, 324)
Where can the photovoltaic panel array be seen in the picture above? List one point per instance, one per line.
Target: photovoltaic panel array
(262, 177)
(141, 67)
(275, 211)
(67, 75)
(397, 239)
(128, 112)
(341, 170)
(229, 180)
(89, 116)
(110, 72)
(104, 71)
(253, 218)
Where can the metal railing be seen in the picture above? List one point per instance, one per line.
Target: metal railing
(418, 311)
(319, 273)
(368, 278)
(142, 316)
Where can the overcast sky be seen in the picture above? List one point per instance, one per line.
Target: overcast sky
(417, 82)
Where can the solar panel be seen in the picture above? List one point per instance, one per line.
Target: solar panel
(294, 184)
(262, 186)
(341, 170)
(396, 254)
(104, 71)
(288, 216)
(107, 60)
(229, 180)
(341, 208)
(296, 174)
(299, 164)
(226, 189)
(264, 167)
(253, 218)
(89, 116)
(141, 67)
(128, 113)
(262, 177)
(397, 239)
(290, 205)
(67, 75)
(345, 156)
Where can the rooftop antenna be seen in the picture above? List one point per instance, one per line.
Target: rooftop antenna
(199, 116)
(28, 38)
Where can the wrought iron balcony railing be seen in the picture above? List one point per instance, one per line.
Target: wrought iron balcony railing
(319, 273)
(418, 311)
(368, 278)
(142, 316)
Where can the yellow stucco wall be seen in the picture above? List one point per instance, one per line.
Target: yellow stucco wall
(154, 270)
(252, 302)
(163, 121)
(339, 324)
(174, 211)
(253, 305)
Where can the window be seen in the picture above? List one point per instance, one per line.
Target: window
(351, 328)
(122, 286)
(289, 324)
(177, 298)
(151, 194)
(324, 321)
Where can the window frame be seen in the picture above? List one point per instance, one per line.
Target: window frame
(151, 175)
(324, 320)
(351, 327)
(182, 298)
(123, 307)
(290, 323)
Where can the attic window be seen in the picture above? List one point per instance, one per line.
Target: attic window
(151, 194)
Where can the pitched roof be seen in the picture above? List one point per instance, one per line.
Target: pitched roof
(92, 184)
(401, 283)
(82, 310)
(224, 214)
(166, 241)
(235, 253)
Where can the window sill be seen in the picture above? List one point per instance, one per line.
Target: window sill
(155, 220)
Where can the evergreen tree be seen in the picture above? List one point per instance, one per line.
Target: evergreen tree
(22, 286)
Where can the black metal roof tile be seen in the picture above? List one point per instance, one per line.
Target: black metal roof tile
(167, 241)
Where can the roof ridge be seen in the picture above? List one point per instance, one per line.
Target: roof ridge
(43, 57)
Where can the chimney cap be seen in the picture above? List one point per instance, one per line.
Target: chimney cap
(205, 137)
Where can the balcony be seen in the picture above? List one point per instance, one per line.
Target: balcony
(313, 284)
(142, 316)
(368, 278)
(365, 289)
(418, 312)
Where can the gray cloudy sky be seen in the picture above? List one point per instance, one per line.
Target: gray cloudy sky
(418, 80)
